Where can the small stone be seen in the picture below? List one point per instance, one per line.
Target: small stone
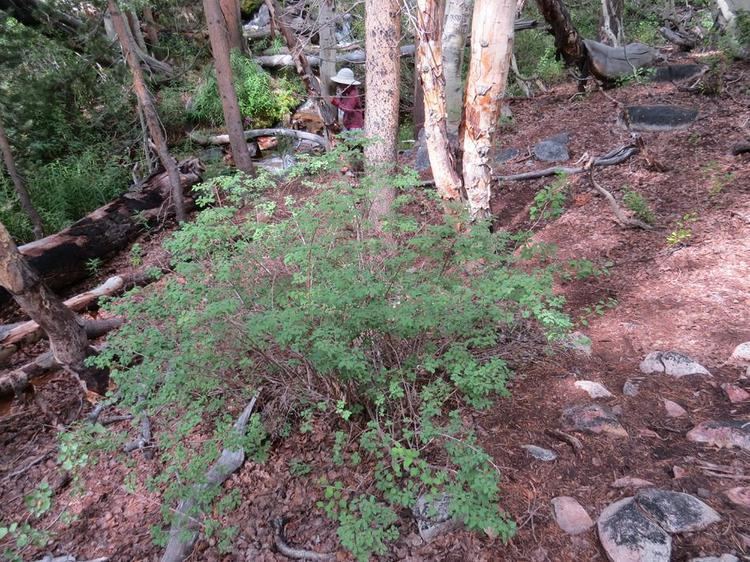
(659, 117)
(704, 493)
(422, 160)
(741, 355)
(671, 363)
(593, 418)
(735, 393)
(433, 517)
(722, 558)
(739, 496)
(570, 515)
(630, 388)
(627, 535)
(540, 453)
(679, 472)
(676, 512)
(674, 410)
(729, 433)
(506, 155)
(578, 341)
(631, 482)
(551, 151)
(594, 389)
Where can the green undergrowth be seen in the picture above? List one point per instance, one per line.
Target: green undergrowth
(387, 340)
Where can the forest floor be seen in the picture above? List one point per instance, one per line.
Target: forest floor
(692, 297)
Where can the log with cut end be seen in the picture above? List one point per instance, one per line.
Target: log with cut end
(609, 63)
(61, 258)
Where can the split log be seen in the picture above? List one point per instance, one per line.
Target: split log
(184, 530)
(609, 63)
(61, 258)
(114, 285)
(683, 39)
(204, 139)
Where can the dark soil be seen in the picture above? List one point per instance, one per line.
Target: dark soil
(693, 297)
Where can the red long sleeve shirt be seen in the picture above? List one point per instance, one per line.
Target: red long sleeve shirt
(350, 102)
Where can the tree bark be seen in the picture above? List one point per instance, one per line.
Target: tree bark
(135, 28)
(383, 67)
(430, 16)
(229, 103)
(491, 49)
(67, 337)
(610, 23)
(457, 15)
(18, 183)
(151, 30)
(149, 109)
(233, 20)
(568, 42)
(327, 47)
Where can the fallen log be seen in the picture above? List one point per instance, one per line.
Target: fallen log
(61, 258)
(112, 286)
(609, 63)
(204, 139)
(613, 157)
(354, 57)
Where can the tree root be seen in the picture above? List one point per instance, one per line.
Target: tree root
(143, 441)
(290, 552)
(620, 217)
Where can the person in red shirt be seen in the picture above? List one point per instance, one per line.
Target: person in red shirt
(349, 100)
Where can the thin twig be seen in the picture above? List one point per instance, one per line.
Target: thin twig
(290, 552)
(620, 216)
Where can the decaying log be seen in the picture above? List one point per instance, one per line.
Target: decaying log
(19, 380)
(612, 157)
(609, 63)
(184, 530)
(684, 40)
(112, 286)
(61, 258)
(353, 57)
(201, 138)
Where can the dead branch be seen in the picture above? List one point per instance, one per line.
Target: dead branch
(620, 217)
(290, 552)
(616, 156)
(201, 138)
(566, 438)
(143, 441)
(184, 530)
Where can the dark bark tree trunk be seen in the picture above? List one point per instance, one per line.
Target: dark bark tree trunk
(135, 28)
(610, 22)
(222, 63)
(233, 20)
(149, 109)
(568, 42)
(152, 31)
(18, 184)
(383, 67)
(327, 46)
(68, 341)
(491, 49)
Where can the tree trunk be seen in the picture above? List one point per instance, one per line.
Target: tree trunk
(457, 15)
(568, 42)
(67, 337)
(15, 176)
(135, 28)
(382, 34)
(430, 16)
(610, 23)
(491, 48)
(151, 30)
(229, 103)
(417, 113)
(327, 47)
(233, 20)
(149, 110)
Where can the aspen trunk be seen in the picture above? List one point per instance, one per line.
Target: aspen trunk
(430, 17)
(491, 49)
(68, 341)
(19, 185)
(610, 23)
(229, 103)
(149, 110)
(383, 68)
(233, 20)
(457, 15)
(327, 47)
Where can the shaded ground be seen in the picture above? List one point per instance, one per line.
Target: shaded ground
(692, 297)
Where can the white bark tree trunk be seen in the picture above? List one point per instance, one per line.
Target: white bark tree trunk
(457, 16)
(327, 46)
(610, 23)
(491, 49)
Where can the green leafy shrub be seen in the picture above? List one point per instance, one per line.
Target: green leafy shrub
(638, 204)
(549, 202)
(262, 99)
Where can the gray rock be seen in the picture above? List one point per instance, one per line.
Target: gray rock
(551, 151)
(735, 393)
(593, 418)
(727, 433)
(540, 453)
(676, 512)
(677, 72)
(631, 482)
(674, 410)
(422, 160)
(506, 154)
(671, 363)
(659, 117)
(627, 535)
(722, 558)
(741, 355)
(594, 389)
(739, 496)
(433, 517)
(570, 516)
(577, 341)
(630, 388)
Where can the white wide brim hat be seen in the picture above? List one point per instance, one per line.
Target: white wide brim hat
(345, 76)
